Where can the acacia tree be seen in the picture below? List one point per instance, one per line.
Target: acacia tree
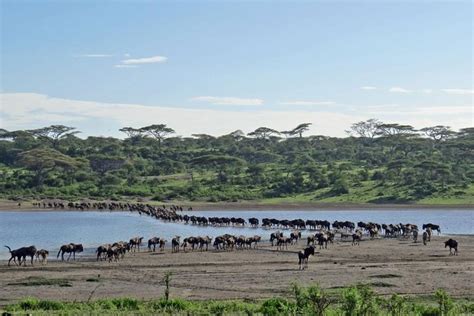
(53, 133)
(131, 132)
(395, 130)
(263, 133)
(158, 131)
(366, 129)
(300, 129)
(438, 133)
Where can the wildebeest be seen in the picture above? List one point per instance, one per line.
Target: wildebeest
(452, 244)
(275, 236)
(154, 241)
(356, 238)
(175, 244)
(43, 254)
(425, 237)
(21, 254)
(295, 236)
(415, 235)
(135, 243)
(253, 222)
(71, 249)
(303, 256)
(429, 233)
(102, 251)
(433, 227)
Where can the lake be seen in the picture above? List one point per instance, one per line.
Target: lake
(49, 230)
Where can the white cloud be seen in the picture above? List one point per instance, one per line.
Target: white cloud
(427, 91)
(227, 100)
(145, 60)
(307, 103)
(368, 88)
(422, 110)
(399, 90)
(95, 55)
(23, 110)
(125, 66)
(458, 91)
(31, 110)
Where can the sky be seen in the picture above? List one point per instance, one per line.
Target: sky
(217, 66)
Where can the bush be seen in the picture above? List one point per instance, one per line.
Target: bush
(445, 303)
(277, 305)
(359, 300)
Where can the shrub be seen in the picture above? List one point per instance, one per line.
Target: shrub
(277, 305)
(445, 303)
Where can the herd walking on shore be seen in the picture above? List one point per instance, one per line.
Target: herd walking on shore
(325, 234)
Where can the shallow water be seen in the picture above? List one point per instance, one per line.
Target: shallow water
(49, 230)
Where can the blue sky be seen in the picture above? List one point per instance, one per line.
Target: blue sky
(209, 66)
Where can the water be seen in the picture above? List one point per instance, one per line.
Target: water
(49, 230)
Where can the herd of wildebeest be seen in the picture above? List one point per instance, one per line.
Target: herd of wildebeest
(325, 234)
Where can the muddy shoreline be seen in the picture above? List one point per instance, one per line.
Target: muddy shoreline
(389, 265)
(27, 206)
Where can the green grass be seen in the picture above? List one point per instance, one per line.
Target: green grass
(354, 300)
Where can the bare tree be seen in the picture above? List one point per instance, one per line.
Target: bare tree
(365, 129)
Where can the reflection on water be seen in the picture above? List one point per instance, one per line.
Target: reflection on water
(50, 230)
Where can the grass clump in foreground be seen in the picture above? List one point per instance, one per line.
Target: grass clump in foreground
(357, 300)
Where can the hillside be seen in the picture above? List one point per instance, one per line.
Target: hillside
(378, 163)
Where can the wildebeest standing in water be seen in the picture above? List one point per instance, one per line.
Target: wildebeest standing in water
(71, 249)
(303, 256)
(21, 254)
(452, 244)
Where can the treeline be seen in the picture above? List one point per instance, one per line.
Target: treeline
(377, 163)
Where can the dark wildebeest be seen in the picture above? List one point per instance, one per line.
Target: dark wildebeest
(356, 238)
(415, 235)
(135, 243)
(253, 222)
(175, 244)
(21, 254)
(153, 242)
(429, 232)
(102, 251)
(425, 238)
(295, 236)
(71, 249)
(275, 236)
(303, 256)
(43, 254)
(433, 227)
(452, 244)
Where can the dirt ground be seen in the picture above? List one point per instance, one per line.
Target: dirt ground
(391, 265)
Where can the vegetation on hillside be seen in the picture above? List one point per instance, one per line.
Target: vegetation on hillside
(376, 163)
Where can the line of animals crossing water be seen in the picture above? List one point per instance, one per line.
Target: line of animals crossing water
(319, 233)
